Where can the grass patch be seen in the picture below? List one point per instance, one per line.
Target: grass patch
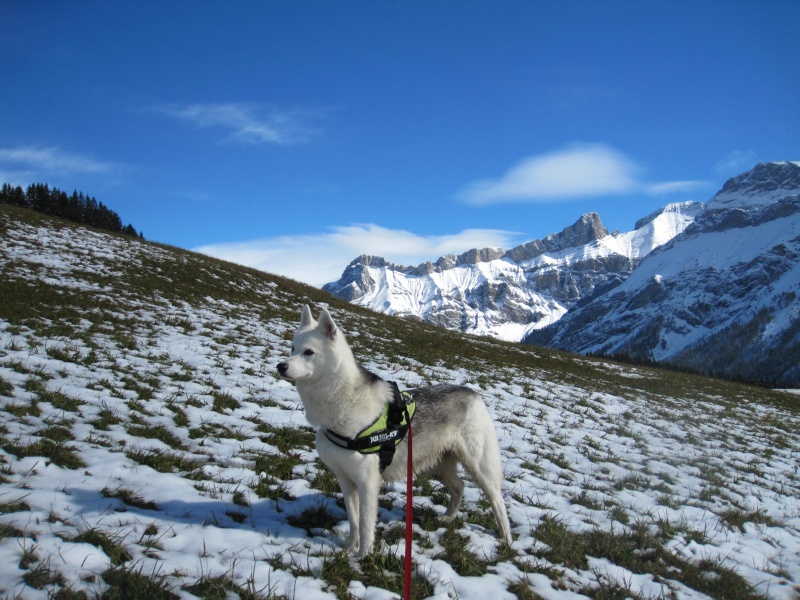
(105, 418)
(280, 465)
(224, 402)
(129, 497)
(111, 545)
(640, 549)
(313, 519)
(42, 574)
(61, 401)
(157, 432)
(12, 507)
(22, 410)
(131, 583)
(457, 554)
(222, 588)
(324, 480)
(738, 518)
(7, 531)
(164, 461)
(287, 438)
(57, 453)
(6, 388)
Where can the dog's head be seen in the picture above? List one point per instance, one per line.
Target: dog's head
(314, 348)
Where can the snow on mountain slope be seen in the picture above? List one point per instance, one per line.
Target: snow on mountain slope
(761, 186)
(721, 298)
(508, 294)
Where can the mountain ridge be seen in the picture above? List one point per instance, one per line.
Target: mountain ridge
(508, 293)
(561, 290)
(720, 298)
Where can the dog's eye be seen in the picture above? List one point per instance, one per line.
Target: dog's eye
(292, 348)
(308, 353)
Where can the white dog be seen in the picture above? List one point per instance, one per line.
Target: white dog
(342, 399)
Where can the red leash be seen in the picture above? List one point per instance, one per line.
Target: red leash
(409, 521)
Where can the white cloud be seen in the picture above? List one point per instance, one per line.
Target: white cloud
(579, 171)
(51, 160)
(320, 258)
(674, 187)
(249, 123)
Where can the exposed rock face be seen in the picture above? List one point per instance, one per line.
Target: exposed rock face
(509, 293)
(586, 230)
(713, 287)
(721, 298)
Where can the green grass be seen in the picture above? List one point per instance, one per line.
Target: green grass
(42, 574)
(133, 583)
(57, 453)
(12, 507)
(164, 461)
(224, 402)
(129, 497)
(108, 543)
(157, 432)
(313, 518)
(223, 587)
(640, 549)
(287, 438)
(6, 388)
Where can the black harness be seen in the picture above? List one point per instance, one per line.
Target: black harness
(383, 435)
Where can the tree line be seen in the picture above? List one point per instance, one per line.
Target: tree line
(78, 207)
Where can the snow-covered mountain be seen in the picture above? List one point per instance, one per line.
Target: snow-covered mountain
(712, 287)
(721, 298)
(507, 294)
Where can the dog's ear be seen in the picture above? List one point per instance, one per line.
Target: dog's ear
(326, 325)
(306, 318)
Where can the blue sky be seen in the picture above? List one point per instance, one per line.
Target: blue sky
(294, 136)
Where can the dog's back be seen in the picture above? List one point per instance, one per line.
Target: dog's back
(452, 426)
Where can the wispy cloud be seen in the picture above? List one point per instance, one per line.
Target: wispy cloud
(23, 164)
(52, 159)
(735, 162)
(576, 172)
(248, 123)
(675, 187)
(320, 258)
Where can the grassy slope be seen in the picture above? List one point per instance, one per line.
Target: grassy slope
(119, 357)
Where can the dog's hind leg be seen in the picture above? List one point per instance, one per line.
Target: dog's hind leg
(495, 497)
(447, 473)
(483, 463)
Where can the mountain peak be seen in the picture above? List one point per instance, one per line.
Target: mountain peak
(763, 184)
(585, 230)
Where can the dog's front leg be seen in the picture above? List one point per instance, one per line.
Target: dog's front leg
(368, 489)
(351, 505)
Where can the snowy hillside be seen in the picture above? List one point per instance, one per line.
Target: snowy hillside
(148, 449)
(508, 294)
(721, 298)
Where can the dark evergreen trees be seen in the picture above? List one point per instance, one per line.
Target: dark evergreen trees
(77, 208)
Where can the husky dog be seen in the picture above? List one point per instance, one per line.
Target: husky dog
(451, 426)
